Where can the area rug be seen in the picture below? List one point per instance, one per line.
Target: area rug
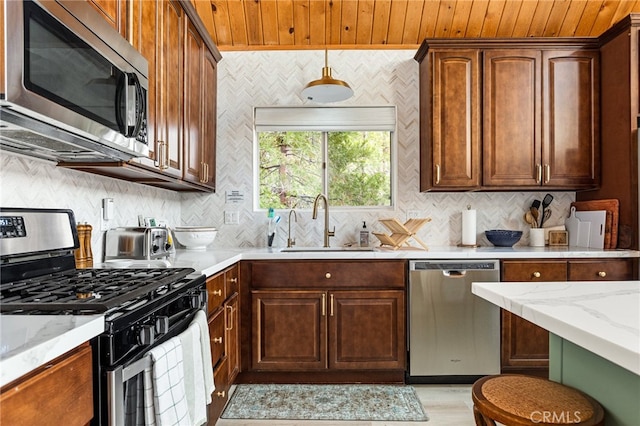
(325, 402)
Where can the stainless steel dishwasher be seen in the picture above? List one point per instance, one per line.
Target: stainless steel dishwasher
(454, 336)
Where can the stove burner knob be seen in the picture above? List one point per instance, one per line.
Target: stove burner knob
(196, 300)
(162, 325)
(146, 335)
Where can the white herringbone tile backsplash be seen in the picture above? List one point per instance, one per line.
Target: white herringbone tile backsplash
(263, 78)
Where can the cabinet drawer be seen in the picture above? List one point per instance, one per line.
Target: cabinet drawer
(231, 280)
(216, 337)
(600, 270)
(215, 292)
(521, 270)
(341, 274)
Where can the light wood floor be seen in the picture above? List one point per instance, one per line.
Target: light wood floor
(446, 405)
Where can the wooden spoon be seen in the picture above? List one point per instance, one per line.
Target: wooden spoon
(535, 214)
(528, 217)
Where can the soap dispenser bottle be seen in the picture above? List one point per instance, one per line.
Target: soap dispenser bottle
(364, 235)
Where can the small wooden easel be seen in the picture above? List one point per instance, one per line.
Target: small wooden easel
(400, 233)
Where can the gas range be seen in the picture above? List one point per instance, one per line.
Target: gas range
(142, 307)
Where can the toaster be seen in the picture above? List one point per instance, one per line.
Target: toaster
(145, 243)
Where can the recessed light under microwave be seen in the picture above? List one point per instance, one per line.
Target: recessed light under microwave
(74, 89)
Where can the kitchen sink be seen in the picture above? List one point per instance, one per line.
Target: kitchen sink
(325, 249)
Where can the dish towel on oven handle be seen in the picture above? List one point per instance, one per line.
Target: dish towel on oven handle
(165, 392)
(193, 377)
(205, 346)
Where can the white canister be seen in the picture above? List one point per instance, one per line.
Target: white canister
(536, 237)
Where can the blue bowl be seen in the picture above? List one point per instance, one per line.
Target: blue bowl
(503, 237)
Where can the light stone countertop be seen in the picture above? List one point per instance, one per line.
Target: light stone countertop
(602, 317)
(29, 341)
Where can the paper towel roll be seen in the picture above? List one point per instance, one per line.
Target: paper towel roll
(468, 227)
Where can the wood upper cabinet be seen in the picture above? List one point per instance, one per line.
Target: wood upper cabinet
(319, 316)
(450, 128)
(525, 346)
(61, 390)
(114, 12)
(509, 114)
(541, 118)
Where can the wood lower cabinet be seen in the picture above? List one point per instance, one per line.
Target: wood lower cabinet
(60, 392)
(224, 331)
(524, 345)
(325, 318)
(509, 114)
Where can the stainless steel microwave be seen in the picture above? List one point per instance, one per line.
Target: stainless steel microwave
(74, 89)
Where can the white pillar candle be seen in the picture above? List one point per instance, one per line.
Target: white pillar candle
(468, 227)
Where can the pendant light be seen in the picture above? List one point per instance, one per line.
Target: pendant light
(327, 89)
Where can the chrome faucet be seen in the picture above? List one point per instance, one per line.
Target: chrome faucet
(327, 233)
(291, 241)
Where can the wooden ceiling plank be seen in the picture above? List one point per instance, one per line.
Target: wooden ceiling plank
(381, 16)
(476, 18)
(203, 7)
(222, 26)
(460, 19)
(286, 28)
(625, 8)
(445, 18)
(492, 18)
(318, 22)
(253, 17)
(364, 27)
(556, 18)
(509, 17)
(334, 13)
(412, 20)
(237, 21)
(349, 22)
(525, 15)
(397, 21)
(269, 14)
(301, 22)
(588, 18)
(572, 18)
(539, 20)
(429, 19)
(605, 16)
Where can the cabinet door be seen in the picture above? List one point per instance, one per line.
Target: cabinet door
(114, 12)
(525, 346)
(209, 117)
(193, 168)
(452, 139)
(512, 130)
(367, 330)
(289, 330)
(232, 334)
(570, 154)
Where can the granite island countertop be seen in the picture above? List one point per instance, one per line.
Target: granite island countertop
(601, 317)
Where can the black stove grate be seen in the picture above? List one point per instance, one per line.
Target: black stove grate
(89, 291)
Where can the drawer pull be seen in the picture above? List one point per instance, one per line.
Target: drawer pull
(233, 280)
(602, 274)
(221, 394)
(327, 275)
(217, 292)
(217, 340)
(331, 305)
(536, 274)
(324, 305)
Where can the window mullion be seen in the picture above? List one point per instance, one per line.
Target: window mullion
(325, 163)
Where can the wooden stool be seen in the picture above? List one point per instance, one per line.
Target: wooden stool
(515, 400)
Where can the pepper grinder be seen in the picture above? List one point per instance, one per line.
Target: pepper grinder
(83, 255)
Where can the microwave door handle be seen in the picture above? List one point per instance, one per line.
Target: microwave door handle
(121, 95)
(138, 104)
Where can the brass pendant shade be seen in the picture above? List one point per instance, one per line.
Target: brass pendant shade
(327, 89)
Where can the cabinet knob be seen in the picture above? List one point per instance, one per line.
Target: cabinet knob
(233, 280)
(217, 292)
(602, 274)
(221, 394)
(327, 275)
(536, 274)
(217, 340)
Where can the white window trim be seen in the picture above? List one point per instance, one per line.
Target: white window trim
(326, 119)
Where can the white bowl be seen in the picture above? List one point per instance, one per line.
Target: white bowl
(195, 237)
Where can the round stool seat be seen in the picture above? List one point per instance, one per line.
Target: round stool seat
(515, 400)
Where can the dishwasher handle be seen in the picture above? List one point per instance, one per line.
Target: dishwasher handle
(453, 273)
